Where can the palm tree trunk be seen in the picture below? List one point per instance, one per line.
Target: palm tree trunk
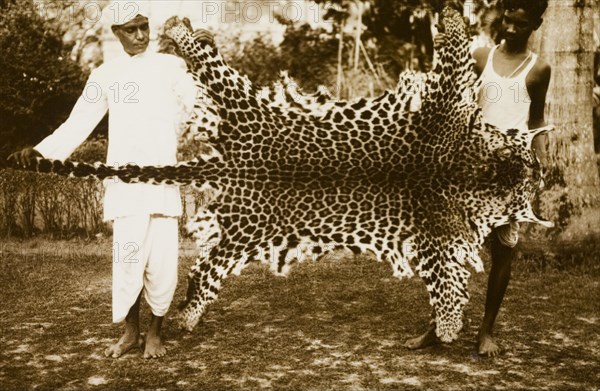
(572, 195)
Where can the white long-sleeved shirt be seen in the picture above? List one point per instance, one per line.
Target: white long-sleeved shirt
(147, 96)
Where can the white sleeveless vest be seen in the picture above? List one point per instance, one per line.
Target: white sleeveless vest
(504, 101)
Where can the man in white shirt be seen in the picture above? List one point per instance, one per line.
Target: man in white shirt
(146, 94)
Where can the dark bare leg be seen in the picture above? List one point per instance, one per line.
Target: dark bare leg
(499, 277)
(154, 344)
(131, 338)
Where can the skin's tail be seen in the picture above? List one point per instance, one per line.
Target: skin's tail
(185, 173)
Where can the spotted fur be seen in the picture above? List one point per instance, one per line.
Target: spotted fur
(297, 177)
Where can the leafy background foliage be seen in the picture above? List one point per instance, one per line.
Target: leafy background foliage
(39, 84)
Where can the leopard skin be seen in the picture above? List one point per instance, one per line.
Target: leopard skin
(296, 176)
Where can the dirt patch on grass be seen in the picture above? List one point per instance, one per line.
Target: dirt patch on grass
(336, 324)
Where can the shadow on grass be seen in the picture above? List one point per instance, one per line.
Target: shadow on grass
(336, 324)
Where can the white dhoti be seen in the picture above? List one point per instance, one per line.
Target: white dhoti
(145, 255)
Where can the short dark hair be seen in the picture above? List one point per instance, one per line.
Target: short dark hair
(535, 8)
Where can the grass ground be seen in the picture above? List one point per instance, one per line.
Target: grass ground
(336, 324)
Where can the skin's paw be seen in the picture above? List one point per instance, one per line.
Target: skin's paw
(187, 325)
(184, 321)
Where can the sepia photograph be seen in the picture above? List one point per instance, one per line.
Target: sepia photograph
(300, 195)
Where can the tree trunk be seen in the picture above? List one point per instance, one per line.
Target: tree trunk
(572, 195)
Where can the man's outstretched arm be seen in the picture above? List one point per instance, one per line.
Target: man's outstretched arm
(91, 106)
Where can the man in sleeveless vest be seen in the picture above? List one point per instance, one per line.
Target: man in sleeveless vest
(148, 95)
(512, 96)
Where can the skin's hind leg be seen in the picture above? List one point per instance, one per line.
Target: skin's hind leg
(204, 282)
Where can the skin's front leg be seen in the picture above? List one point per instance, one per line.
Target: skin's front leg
(190, 310)
(204, 283)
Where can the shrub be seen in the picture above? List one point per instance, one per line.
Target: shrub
(39, 84)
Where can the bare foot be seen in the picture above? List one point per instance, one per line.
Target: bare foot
(154, 347)
(487, 346)
(127, 342)
(427, 339)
